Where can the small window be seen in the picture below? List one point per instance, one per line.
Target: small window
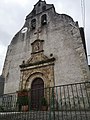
(33, 24)
(44, 19)
(43, 8)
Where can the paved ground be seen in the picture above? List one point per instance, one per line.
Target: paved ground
(41, 115)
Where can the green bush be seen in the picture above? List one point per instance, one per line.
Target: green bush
(1, 109)
(44, 102)
(22, 100)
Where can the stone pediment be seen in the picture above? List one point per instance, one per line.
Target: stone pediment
(37, 59)
(37, 55)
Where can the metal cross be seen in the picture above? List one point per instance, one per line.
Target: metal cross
(38, 32)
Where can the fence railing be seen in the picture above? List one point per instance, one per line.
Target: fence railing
(66, 102)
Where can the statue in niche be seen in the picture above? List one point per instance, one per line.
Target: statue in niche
(37, 47)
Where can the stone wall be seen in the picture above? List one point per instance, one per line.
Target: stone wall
(62, 39)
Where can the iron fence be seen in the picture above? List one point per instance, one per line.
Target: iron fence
(64, 102)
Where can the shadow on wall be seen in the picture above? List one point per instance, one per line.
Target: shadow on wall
(2, 85)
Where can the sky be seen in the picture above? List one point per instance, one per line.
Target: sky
(14, 12)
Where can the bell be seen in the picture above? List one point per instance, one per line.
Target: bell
(44, 21)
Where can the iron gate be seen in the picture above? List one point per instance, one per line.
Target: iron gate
(64, 102)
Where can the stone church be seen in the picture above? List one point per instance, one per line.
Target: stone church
(49, 50)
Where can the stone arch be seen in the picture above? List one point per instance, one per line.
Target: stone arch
(44, 19)
(32, 77)
(33, 24)
(36, 80)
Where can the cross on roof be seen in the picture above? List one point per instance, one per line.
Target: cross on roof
(38, 32)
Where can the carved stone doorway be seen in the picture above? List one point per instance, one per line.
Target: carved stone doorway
(37, 92)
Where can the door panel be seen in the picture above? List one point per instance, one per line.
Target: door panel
(37, 92)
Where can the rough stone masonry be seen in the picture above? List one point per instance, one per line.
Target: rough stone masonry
(49, 46)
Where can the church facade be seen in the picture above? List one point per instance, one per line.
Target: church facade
(46, 52)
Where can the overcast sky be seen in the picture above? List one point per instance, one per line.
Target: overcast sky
(13, 13)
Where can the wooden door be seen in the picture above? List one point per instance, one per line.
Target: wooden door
(37, 92)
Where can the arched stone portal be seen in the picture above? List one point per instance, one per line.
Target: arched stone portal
(36, 73)
(37, 92)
